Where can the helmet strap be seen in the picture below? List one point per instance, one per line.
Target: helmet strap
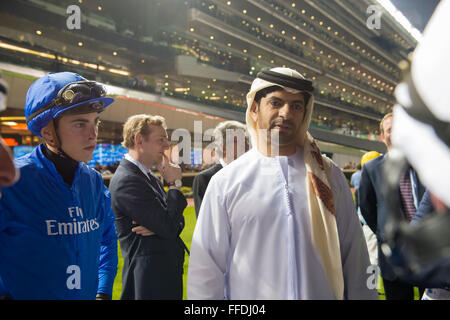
(55, 141)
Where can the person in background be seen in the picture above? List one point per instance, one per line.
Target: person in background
(98, 167)
(149, 220)
(104, 170)
(354, 179)
(421, 132)
(370, 237)
(228, 149)
(372, 207)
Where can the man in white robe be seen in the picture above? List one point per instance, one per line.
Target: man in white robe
(279, 222)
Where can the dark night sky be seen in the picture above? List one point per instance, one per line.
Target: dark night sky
(418, 12)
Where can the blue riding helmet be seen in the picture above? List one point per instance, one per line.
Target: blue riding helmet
(56, 93)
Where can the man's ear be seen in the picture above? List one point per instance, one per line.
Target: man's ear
(254, 111)
(138, 139)
(47, 132)
(383, 138)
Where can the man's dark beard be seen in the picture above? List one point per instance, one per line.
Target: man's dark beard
(283, 137)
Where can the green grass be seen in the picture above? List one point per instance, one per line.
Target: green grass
(186, 236)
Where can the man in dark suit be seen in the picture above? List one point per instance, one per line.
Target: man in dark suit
(236, 139)
(148, 220)
(201, 181)
(373, 211)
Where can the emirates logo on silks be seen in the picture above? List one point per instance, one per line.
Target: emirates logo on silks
(78, 225)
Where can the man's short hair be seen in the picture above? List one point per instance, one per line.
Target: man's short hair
(382, 120)
(220, 132)
(140, 123)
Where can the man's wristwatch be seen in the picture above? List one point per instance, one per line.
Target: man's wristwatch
(177, 183)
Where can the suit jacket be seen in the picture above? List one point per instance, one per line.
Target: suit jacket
(153, 265)
(425, 209)
(201, 181)
(435, 275)
(373, 207)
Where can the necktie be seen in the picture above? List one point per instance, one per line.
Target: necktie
(407, 196)
(156, 184)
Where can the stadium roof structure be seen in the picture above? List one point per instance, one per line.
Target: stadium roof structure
(203, 54)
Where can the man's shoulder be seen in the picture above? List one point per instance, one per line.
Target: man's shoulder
(28, 161)
(355, 175)
(336, 175)
(210, 171)
(332, 168)
(127, 167)
(240, 162)
(374, 164)
(125, 173)
(89, 170)
(237, 169)
(91, 174)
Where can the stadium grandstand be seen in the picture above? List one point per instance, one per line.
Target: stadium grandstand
(194, 61)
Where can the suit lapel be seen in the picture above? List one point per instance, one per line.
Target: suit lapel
(419, 189)
(135, 170)
(218, 167)
(159, 186)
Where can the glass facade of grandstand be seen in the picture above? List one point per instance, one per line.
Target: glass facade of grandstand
(206, 52)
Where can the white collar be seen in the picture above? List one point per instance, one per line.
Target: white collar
(143, 168)
(222, 162)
